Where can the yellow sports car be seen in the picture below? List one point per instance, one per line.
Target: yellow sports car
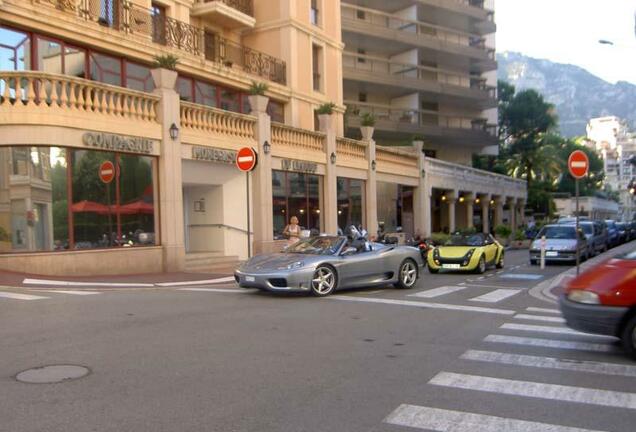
(466, 252)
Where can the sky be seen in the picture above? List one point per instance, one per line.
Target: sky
(568, 31)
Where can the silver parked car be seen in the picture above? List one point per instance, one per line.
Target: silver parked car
(323, 264)
(561, 243)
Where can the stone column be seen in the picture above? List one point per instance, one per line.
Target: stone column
(512, 210)
(170, 178)
(469, 201)
(263, 225)
(422, 195)
(498, 211)
(521, 204)
(371, 191)
(485, 213)
(330, 211)
(451, 201)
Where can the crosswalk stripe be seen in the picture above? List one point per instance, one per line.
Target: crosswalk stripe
(71, 292)
(550, 363)
(438, 292)
(16, 296)
(423, 304)
(539, 318)
(442, 420)
(219, 290)
(554, 330)
(496, 295)
(543, 310)
(536, 390)
(550, 343)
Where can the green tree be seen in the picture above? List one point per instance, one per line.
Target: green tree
(588, 185)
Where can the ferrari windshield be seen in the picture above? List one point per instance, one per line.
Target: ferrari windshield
(466, 240)
(323, 245)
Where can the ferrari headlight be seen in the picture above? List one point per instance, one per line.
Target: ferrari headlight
(292, 266)
(581, 296)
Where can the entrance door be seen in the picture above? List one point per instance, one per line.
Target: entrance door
(186, 220)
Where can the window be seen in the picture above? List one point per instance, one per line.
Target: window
(185, 89)
(158, 13)
(316, 57)
(276, 111)
(350, 207)
(296, 194)
(106, 69)
(395, 207)
(109, 13)
(362, 97)
(230, 100)
(315, 13)
(362, 53)
(138, 77)
(361, 15)
(15, 47)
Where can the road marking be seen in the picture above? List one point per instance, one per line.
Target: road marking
(550, 363)
(16, 296)
(442, 420)
(219, 290)
(539, 318)
(563, 393)
(523, 276)
(80, 293)
(68, 283)
(496, 296)
(543, 310)
(475, 285)
(437, 292)
(424, 305)
(550, 343)
(197, 282)
(555, 330)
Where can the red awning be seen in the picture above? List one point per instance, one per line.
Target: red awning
(89, 207)
(137, 207)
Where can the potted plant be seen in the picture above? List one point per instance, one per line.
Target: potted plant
(367, 122)
(165, 72)
(258, 100)
(520, 239)
(439, 238)
(502, 234)
(326, 108)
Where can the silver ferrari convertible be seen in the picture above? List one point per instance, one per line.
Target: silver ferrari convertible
(323, 264)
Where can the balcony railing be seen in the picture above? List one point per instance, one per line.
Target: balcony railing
(394, 22)
(424, 118)
(127, 17)
(244, 6)
(405, 70)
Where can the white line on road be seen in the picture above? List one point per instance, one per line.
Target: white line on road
(16, 296)
(80, 293)
(442, 420)
(539, 318)
(481, 285)
(197, 282)
(437, 292)
(555, 330)
(550, 363)
(496, 296)
(530, 389)
(550, 343)
(219, 290)
(543, 310)
(424, 305)
(68, 283)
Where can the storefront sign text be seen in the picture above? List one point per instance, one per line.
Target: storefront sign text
(296, 165)
(106, 141)
(213, 155)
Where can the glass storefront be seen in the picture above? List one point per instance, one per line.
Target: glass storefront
(52, 198)
(395, 207)
(350, 202)
(296, 194)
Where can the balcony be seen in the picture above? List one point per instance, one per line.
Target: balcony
(401, 124)
(405, 34)
(232, 14)
(399, 78)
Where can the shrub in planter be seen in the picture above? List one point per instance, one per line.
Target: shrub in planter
(258, 89)
(166, 61)
(367, 120)
(326, 108)
(439, 238)
(503, 231)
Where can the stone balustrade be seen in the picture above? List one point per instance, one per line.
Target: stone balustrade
(301, 139)
(215, 121)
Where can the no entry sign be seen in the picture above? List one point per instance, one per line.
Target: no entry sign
(107, 172)
(578, 164)
(246, 159)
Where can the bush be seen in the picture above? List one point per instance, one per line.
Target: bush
(326, 108)
(258, 89)
(466, 231)
(439, 238)
(166, 61)
(520, 235)
(367, 120)
(503, 231)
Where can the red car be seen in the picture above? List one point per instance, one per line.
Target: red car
(603, 300)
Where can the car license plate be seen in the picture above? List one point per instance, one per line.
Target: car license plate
(551, 253)
(249, 279)
(451, 266)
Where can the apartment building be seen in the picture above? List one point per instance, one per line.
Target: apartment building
(112, 164)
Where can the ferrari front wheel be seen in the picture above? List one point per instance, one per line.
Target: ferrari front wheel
(407, 275)
(324, 281)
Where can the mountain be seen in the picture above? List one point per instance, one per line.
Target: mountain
(577, 94)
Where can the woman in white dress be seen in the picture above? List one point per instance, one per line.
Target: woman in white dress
(292, 231)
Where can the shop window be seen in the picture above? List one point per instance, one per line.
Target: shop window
(106, 69)
(296, 194)
(350, 202)
(15, 49)
(138, 77)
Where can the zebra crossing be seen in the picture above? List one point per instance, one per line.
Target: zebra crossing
(43, 294)
(547, 347)
(470, 293)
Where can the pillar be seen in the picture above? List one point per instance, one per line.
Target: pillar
(485, 213)
(469, 201)
(422, 196)
(521, 203)
(263, 225)
(498, 203)
(170, 177)
(451, 201)
(330, 198)
(512, 207)
(371, 191)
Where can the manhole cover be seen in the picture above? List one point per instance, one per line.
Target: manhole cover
(52, 374)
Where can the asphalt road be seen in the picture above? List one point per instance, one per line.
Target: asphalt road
(457, 353)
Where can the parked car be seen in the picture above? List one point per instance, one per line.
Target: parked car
(613, 239)
(561, 244)
(602, 300)
(623, 232)
(595, 235)
(323, 264)
(571, 220)
(466, 252)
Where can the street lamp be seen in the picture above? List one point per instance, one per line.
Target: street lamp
(267, 147)
(332, 158)
(174, 132)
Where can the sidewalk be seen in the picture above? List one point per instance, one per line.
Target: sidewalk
(148, 280)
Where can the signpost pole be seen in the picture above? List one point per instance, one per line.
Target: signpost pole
(249, 243)
(578, 255)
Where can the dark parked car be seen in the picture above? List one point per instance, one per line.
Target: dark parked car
(613, 239)
(623, 232)
(596, 237)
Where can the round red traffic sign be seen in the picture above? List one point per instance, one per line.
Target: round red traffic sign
(246, 159)
(107, 172)
(578, 164)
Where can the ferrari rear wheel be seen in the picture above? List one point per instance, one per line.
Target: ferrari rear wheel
(500, 263)
(324, 281)
(481, 267)
(407, 275)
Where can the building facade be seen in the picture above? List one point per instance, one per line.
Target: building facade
(109, 164)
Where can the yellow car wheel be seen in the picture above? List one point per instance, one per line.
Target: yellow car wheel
(481, 266)
(500, 263)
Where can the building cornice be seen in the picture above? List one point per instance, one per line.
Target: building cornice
(300, 26)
